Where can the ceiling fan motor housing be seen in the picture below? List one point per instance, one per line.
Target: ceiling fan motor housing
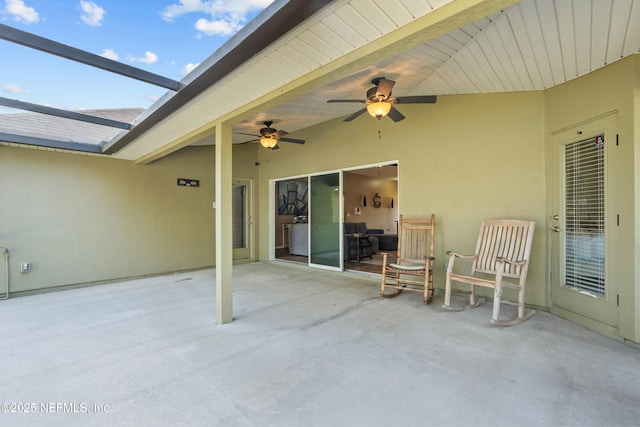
(267, 131)
(374, 96)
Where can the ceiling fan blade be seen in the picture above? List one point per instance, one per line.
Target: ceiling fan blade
(250, 134)
(246, 142)
(420, 99)
(354, 115)
(395, 115)
(384, 87)
(347, 100)
(295, 141)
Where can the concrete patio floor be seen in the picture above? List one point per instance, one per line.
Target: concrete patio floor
(307, 348)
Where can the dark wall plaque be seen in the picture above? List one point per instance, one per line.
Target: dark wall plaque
(187, 182)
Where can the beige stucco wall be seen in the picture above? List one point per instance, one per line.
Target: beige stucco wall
(80, 219)
(465, 159)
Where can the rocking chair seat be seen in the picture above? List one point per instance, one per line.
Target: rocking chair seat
(407, 268)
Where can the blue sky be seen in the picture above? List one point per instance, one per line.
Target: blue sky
(166, 37)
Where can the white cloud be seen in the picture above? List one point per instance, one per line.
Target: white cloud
(226, 16)
(92, 14)
(21, 12)
(219, 27)
(188, 68)
(183, 7)
(148, 58)
(110, 54)
(12, 88)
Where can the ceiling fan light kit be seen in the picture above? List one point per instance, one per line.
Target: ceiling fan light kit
(379, 102)
(269, 137)
(268, 142)
(379, 109)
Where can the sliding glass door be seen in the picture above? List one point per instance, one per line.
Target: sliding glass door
(324, 219)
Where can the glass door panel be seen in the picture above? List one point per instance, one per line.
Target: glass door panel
(324, 219)
(241, 219)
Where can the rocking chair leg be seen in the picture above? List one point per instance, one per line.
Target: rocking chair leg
(428, 295)
(447, 293)
(496, 306)
(397, 292)
(521, 308)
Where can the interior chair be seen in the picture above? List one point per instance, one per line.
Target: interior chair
(502, 251)
(412, 269)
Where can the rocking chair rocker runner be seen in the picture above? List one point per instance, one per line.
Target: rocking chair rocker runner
(414, 259)
(502, 250)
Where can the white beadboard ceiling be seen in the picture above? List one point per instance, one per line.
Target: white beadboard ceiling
(530, 45)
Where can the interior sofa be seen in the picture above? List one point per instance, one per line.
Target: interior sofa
(376, 237)
(386, 242)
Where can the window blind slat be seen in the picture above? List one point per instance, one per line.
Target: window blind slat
(584, 216)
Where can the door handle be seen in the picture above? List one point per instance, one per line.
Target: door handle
(556, 217)
(556, 229)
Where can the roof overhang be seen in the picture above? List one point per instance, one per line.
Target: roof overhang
(279, 71)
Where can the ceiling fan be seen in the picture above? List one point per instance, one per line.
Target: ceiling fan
(379, 102)
(270, 137)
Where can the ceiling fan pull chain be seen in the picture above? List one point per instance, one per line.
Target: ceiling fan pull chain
(379, 134)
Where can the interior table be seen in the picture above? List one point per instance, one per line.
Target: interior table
(363, 246)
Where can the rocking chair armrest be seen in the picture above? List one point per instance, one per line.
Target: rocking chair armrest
(508, 261)
(457, 255)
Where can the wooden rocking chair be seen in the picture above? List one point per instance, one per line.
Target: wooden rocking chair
(502, 251)
(414, 259)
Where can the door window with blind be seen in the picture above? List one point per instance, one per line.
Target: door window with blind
(584, 189)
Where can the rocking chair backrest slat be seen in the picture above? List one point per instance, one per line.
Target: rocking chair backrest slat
(415, 239)
(510, 239)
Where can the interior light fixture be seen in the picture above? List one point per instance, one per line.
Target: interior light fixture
(268, 142)
(379, 109)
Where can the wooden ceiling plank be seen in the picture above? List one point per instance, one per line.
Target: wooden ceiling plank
(359, 23)
(632, 37)
(490, 73)
(396, 11)
(501, 61)
(320, 44)
(601, 17)
(582, 31)
(336, 39)
(549, 31)
(565, 23)
(524, 48)
(511, 48)
(620, 12)
(530, 14)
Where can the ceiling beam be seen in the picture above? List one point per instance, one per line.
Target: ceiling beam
(12, 103)
(50, 143)
(49, 46)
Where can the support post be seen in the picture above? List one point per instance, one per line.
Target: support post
(224, 242)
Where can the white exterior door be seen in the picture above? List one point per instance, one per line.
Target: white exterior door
(242, 219)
